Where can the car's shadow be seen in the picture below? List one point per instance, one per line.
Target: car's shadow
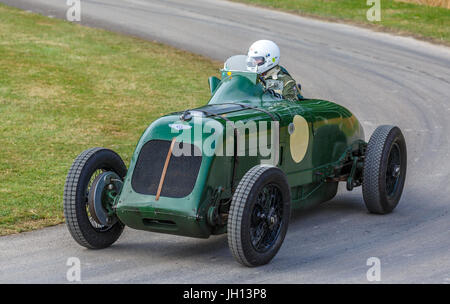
(314, 234)
(216, 247)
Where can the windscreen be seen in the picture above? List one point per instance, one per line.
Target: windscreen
(243, 63)
(236, 63)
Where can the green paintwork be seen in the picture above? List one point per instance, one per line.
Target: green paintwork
(213, 83)
(335, 133)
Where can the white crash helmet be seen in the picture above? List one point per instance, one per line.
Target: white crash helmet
(262, 56)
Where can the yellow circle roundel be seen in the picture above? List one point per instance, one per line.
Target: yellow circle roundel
(299, 138)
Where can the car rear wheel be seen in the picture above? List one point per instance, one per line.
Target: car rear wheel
(384, 169)
(259, 215)
(87, 175)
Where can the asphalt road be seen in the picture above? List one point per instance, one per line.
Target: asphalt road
(381, 78)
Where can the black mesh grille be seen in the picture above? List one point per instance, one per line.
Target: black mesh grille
(180, 176)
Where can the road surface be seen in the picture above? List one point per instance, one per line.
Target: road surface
(382, 78)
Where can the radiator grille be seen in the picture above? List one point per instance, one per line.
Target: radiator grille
(181, 173)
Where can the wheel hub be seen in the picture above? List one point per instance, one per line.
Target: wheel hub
(396, 171)
(102, 194)
(273, 220)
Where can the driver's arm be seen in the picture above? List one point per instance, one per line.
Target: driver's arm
(290, 88)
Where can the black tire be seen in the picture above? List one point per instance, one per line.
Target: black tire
(384, 171)
(244, 212)
(82, 227)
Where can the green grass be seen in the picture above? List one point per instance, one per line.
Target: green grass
(426, 22)
(65, 88)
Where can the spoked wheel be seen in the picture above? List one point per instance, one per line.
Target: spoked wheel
(259, 215)
(384, 170)
(93, 182)
(267, 218)
(393, 170)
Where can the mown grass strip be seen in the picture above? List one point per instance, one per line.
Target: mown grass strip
(65, 88)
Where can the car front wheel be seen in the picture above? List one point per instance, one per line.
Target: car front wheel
(96, 174)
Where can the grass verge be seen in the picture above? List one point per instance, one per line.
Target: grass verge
(423, 22)
(65, 88)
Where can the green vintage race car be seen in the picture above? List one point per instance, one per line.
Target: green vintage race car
(237, 165)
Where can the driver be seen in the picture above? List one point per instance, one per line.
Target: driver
(263, 58)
